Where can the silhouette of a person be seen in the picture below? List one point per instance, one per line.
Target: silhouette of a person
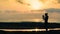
(45, 18)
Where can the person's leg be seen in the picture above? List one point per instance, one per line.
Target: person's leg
(46, 25)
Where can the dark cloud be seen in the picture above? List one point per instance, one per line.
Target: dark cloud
(58, 1)
(53, 10)
(20, 1)
(54, 14)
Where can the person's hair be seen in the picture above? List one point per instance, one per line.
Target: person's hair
(46, 13)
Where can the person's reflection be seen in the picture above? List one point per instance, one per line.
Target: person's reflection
(45, 18)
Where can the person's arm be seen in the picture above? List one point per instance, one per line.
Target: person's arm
(43, 17)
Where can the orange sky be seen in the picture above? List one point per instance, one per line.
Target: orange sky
(13, 5)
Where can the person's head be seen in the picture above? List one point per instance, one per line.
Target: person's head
(46, 14)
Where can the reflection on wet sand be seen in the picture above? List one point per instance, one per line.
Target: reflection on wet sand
(30, 29)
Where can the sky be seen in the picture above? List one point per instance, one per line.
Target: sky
(29, 10)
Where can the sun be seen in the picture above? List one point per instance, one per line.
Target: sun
(36, 4)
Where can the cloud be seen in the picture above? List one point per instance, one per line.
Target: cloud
(51, 4)
(15, 16)
(58, 1)
(54, 14)
(53, 10)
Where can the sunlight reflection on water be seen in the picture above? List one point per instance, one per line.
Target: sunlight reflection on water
(29, 29)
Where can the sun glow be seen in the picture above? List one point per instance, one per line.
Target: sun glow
(35, 4)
